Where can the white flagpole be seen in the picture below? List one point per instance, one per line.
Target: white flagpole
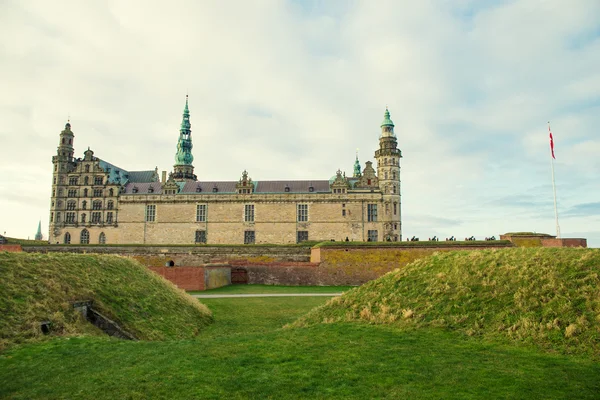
(554, 186)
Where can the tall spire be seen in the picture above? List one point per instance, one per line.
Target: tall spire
(38, 235)
(183, 169)
(357, 172)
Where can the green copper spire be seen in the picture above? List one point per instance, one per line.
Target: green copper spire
(38, 235)
(386, 119)
(184, 145)
(357, 172)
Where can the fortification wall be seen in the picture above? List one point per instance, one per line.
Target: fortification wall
(11, 248)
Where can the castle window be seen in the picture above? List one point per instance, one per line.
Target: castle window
(86, 180)
(109, 217)
(110, 205)
(70, 141)
(70, 218)
(249, 237)
(71, 205)
(67, 239)
(343, 213)
(301, 236)
(84, 238)
(394, 175)
(55, 167)
(311, 189)
(96, 217)
(372, 212)
(53, 193)
(134, 190)
(60, 192)
(97, 192)
(372, 236)
(51, 217)
(72, 193)
(97, 205)
(83, 218)
(198, 189)
(395, 226)
(84, 204)
(73, 180)
(395, 208)
(200, 237)
(368, 181)
(215, 190)
(249, 213)
(85, 192)
(54, 181)
(57, 217)
(287, 189)
(302, 212)
(394, 189)
(150, 189)
(150, 213)
(201, 213)
(87, 168)
(59, 204)
(111, 192)
(386, 175)
(102, 238)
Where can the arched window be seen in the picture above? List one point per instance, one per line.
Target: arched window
(110, 205)
(97, 205)
(87, 168)
(111, 192)
(85, 237)
(67, 238)
(85, 192)
(86, 180)
(394, 175)
(102, 238)
(394, 188)
(83, 218)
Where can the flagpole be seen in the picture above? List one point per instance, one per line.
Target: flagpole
(553, 182)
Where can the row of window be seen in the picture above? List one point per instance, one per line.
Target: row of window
(86, 192)
(74, 180)
(301, 212)
(96, 205)
(95, 218)
(385, 174)
(84, 237)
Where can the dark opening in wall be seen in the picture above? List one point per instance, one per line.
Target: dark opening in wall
(170, 263)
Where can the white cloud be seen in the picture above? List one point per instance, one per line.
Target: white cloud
(290, 90)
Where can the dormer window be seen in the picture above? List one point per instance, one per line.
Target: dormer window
(311, 189)
(198, 189)
(150, 189)
(215, 189)
(287, 189)
(134, 190)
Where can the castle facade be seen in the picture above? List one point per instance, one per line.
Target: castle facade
(96, 202)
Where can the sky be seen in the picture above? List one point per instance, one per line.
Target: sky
(291, 89)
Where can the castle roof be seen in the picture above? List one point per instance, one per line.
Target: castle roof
(319, 186)
(120, 176)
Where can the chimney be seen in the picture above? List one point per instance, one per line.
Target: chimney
(164, 176)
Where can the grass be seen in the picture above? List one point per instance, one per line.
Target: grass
(243, 355)
(42, 287)
(546, 297)
(261, 289)
(421, 243)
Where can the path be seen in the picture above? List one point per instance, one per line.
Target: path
(220, 296)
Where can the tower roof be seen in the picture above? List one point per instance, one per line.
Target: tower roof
(386, 119)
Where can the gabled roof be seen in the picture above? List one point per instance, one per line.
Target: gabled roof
(143, 188)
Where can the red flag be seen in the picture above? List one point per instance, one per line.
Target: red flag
(551, 142)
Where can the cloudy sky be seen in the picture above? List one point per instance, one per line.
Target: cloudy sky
(290, 89)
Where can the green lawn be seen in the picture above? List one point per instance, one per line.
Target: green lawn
(256, 289)
(244, 354)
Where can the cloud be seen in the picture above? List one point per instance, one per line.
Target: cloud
(291, 89)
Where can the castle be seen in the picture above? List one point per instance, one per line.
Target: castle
(96, 202)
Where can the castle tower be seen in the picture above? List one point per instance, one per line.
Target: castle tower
(388, 171)
(38, 235)
(357, 172)
(63, 164)
(183, 170)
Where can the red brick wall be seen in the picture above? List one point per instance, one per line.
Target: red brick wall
(564, 242)
(11, 248)
(186, 278)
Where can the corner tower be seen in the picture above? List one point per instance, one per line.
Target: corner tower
(388, 171)
(183, 170)
(63, 164)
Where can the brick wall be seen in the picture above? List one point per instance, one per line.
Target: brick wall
(187, 278)
(11, 248)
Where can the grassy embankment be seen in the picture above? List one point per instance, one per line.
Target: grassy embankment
(42, 287)
(546, 297)
(273, 289)
(244, 354)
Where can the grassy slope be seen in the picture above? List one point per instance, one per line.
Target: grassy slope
(549, 297)
(42, 287)
(244, 355)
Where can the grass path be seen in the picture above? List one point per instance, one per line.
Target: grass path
(266, 289)
(245, 355)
